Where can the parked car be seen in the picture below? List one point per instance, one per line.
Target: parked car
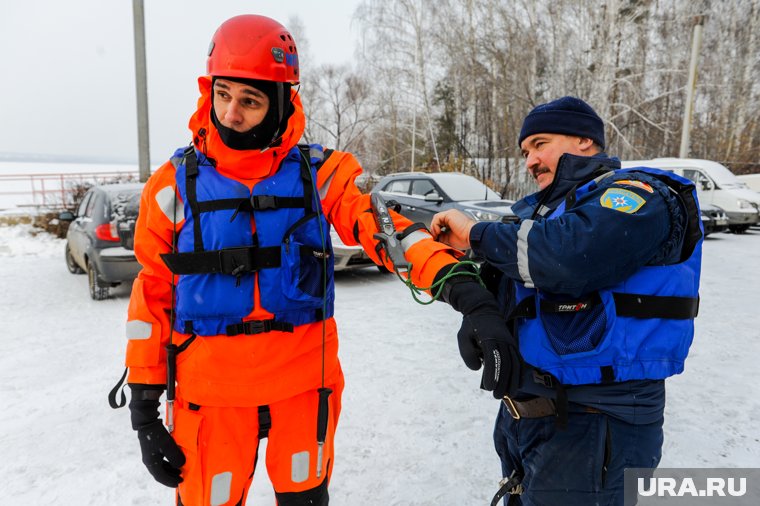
(100, 238)
(349, 257)
(421, 195)
(716, 185)
(714, 219)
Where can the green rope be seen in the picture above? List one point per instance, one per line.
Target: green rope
(437, 287)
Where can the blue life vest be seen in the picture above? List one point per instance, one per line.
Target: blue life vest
(217, 255)
(640, 328)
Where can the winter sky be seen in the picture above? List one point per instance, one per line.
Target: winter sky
(68, 85)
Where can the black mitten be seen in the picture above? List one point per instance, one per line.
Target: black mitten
(484, 338)
(160, 453)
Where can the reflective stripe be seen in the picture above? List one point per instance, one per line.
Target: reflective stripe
(316, 154)
(413, 238)
(522, 252)
(299, 467)
(137, 329)
(221, 487)
(169, 205)
(325, 187)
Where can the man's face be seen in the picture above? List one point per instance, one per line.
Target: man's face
(239, 106)
(542, 153)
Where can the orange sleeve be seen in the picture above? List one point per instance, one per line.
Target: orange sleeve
(351, 215)
(148, 322)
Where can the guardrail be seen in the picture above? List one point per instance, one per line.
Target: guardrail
(53, 190)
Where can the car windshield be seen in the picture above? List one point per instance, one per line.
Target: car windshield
(465, 187)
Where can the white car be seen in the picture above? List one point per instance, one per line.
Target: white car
(349, 257)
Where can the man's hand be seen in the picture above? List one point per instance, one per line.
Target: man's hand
(484, 338)
(452, 227)
(160, 453)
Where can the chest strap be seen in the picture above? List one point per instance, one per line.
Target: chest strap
(234, 261)
(252, 327)
(626, 304)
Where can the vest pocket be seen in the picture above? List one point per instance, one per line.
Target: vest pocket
(303, 273)
(573, 326)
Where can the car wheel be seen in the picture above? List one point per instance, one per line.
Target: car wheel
(738, 229)
(71, 264)
(97, 292)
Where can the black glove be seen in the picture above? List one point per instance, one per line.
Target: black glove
(160, 453)
(484, 337)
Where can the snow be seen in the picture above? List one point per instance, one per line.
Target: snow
(415, 429)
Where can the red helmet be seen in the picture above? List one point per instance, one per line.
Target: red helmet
(253, 47)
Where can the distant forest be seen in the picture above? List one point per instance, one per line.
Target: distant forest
(445, 84)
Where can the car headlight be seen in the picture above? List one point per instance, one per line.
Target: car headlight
(744, 204)
(482, 215)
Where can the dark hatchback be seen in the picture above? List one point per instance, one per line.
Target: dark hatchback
(421, 195)
(100, 238)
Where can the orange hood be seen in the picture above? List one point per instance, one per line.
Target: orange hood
(247, 164)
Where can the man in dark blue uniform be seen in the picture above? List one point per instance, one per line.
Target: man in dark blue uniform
(599, 280)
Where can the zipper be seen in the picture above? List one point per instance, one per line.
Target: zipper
(293, 227)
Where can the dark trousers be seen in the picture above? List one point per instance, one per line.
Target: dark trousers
(581, 465)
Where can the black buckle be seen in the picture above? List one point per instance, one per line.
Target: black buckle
(255, 327)
(543, 379)
(264, 202)
(235, 261)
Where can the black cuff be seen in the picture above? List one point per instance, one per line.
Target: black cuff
(454, 281)
(143, 392)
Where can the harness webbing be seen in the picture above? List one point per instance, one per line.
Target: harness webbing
(191, 175)
(626, 304)
(234, 261)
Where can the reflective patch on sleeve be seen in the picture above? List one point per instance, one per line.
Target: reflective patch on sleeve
(622, 200)
(138, 330)
(221, 488)
(326, 186)
(413, 238)
(299, 467)
(522, 252)
(638, 184)
(169, 205)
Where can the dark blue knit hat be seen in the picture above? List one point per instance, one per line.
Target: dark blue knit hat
(566, 115)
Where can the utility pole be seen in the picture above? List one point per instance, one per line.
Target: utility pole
(141, 85)
(690, 87)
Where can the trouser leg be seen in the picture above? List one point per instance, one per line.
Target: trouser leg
(505, 442)
(581, 464)
(292, 456)
(220, 445)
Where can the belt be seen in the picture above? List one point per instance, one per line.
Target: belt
(533, 408)
(538, 407)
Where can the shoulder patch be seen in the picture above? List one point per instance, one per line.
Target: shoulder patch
(621, 200)
(637, 184)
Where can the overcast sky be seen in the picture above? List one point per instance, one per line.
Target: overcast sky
(68, 82)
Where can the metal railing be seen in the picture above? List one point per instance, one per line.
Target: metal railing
(53, 190)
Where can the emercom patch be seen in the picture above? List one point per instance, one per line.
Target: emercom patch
(622, 200)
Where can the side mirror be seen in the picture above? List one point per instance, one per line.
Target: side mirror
(706, 184)
(433, 197)
(66, 216)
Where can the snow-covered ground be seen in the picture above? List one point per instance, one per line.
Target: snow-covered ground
(415, 429)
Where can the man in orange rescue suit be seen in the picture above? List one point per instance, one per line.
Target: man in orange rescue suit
(231, 314)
